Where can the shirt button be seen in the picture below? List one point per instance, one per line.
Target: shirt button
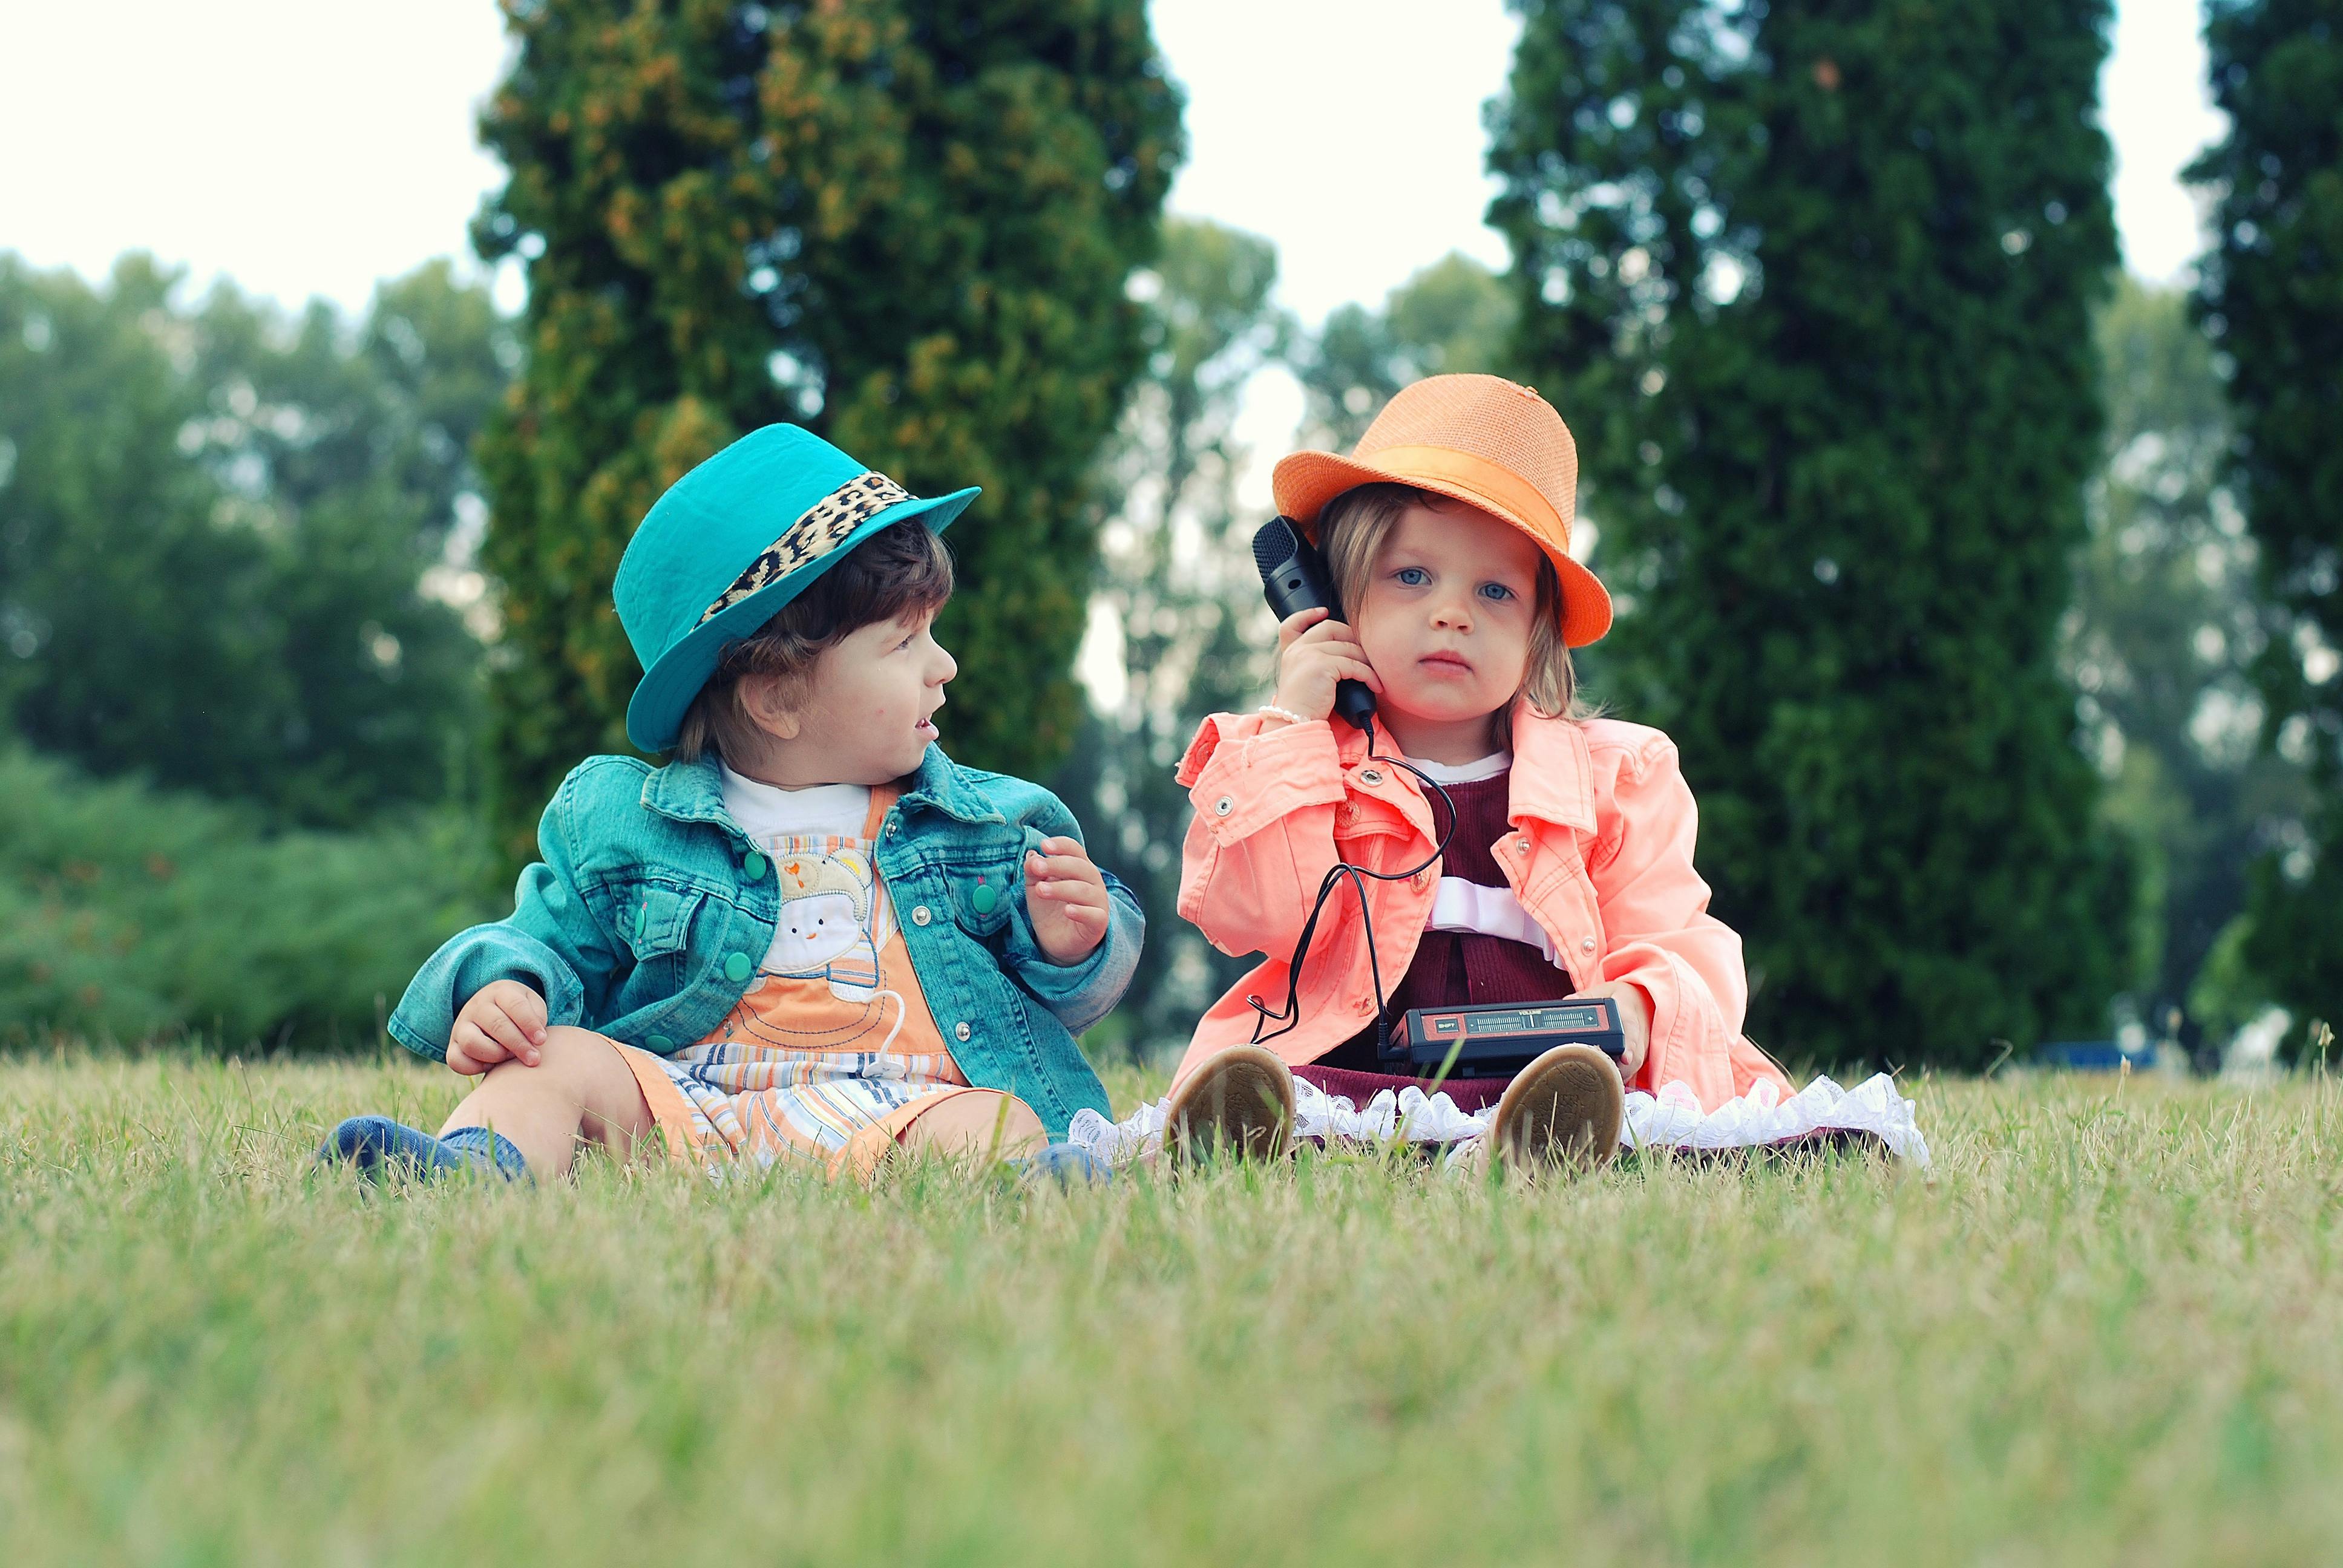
(736, 967)
(959, 1032)
(1371, 776)
(1587, 944)
(920, 917)
(1224, 806)
(752, 865)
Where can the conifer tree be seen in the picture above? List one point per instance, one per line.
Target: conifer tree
(2272, 300)
(1812, 281)
(906, 224)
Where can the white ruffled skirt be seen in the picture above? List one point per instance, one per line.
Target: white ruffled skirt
(1671, 1119)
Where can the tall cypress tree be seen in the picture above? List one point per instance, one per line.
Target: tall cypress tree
(1812, 280)
(2271, 297)
(906, 224)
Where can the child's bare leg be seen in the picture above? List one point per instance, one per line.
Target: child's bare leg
(581, 1088)
(982, 1122)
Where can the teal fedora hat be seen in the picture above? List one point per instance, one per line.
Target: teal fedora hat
(730, 543)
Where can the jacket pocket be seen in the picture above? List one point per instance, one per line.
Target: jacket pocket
(984, 889)
(659, 923)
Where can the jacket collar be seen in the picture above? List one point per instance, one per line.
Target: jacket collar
(694, 791)
(944, 785)
(1554, 772)
(689, 792)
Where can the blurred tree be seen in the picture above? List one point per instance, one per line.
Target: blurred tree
(1178, 598)
(213, 523)
(906, 224)
(1454, 314)
(1811, 282)
(2166, 627)
(2272, 300)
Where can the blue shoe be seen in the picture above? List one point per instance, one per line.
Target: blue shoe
(1067, 1164)
(378, 1146)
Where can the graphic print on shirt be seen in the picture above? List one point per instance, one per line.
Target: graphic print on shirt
(823, 986)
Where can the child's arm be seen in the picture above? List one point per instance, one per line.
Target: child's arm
(1265, 788)
(1078, 941)
(552, 943)
(1263, 835)
(1662, 941)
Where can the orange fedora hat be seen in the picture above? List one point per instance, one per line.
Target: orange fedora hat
(1480, 439)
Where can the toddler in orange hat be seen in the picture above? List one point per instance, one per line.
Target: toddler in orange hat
(1559, 865)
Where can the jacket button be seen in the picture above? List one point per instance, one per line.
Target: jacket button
(1363, 1006)
(642, 922)
(661, 1044)
(1523, 845)
(959, 1032)
(984, 897)
(1371, 776)
(920, 917)
(891, 826)
(752, 865)
(1587, 944)
(1224, 806)
(736, 967)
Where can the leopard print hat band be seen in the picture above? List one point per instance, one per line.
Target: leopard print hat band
(821, 529)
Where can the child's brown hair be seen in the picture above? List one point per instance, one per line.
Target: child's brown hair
(902, 569)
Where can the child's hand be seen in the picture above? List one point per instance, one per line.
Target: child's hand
(1066, 897)
(1634, 1022)
(504, 1021)
(1313, 654)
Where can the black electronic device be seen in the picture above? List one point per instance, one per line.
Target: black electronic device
(1499, 1041)
(1293, 577)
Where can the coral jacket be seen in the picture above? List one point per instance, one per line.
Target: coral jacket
(1599, 854)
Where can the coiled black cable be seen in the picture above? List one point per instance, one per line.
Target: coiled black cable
(1341, 871)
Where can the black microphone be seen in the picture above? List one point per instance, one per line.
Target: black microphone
(1293, 577)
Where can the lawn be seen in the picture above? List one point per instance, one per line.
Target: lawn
(2110, 1328)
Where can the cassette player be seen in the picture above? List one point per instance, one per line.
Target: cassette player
(1498, 1042)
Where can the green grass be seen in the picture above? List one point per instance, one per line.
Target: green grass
(2110, 1328)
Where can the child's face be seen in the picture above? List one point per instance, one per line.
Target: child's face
(869, 709)
(1445, 619)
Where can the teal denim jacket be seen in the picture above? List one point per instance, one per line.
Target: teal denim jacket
(643, 923)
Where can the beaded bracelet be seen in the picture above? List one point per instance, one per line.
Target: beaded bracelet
(1274, 711)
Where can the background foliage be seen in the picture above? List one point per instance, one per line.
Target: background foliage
(214, 522)
(2272, 300)
(905, 224)
(1814, 281)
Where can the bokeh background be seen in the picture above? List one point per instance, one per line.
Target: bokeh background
(1956, 390)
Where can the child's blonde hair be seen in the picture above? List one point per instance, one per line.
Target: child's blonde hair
(1357, 524)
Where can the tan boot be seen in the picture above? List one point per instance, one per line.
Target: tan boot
(1239, 1101)
(1564, 1109)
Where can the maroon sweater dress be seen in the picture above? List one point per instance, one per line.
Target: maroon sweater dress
(1452, 968)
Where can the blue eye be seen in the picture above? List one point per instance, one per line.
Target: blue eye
(1497, 591)
(1414, 577)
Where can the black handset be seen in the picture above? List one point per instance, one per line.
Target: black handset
(1293, 577)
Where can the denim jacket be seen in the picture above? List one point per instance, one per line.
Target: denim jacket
(642, 922)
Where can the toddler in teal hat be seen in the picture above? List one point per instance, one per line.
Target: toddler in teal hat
(811, 935)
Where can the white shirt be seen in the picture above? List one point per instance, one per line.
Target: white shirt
(767, 811)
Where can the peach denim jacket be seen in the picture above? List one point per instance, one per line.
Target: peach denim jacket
(1600, 855)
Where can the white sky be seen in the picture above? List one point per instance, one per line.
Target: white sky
(302, 146)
